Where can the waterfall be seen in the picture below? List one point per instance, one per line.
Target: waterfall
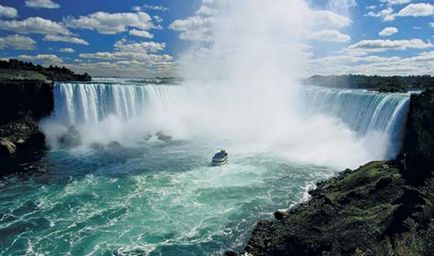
(365, 112)
(375, 118)
(81, 103)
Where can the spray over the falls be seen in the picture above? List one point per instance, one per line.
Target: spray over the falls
(241, 91)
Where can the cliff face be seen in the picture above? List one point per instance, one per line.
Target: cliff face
(22, 104)
(418, 147)
(382, 208)
(25, 98)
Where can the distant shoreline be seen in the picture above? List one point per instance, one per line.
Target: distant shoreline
(375, 83)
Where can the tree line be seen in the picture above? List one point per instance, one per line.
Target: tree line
(380, 83)
(53, 73)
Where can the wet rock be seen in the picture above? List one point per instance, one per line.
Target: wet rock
(114, 145)
(280, 215)
(163, 137)
(383, 183)
(97, 146)
(22, 143)
(70, 139)
(410, 203)
(346, 171)
(7, 148)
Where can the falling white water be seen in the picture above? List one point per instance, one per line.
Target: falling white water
(105, 112)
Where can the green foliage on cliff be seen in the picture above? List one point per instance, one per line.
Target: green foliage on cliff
(369, 211)
(10, 74)
(20, 70)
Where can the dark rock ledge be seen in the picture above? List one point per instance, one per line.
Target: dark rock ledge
(382, 208)
(21, 144)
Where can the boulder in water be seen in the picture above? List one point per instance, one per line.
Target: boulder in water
(97, 146)
(114, 145)
(70, 139)
(163, 137)
(7, 148)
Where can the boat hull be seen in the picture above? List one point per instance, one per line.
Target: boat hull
(219, 162)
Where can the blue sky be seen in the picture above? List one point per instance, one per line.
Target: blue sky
(146, 37)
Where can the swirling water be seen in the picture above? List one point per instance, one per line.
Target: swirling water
(161, 198)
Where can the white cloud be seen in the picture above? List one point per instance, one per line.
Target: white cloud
(341, 6)
(156, 7)
(124, 50)
(393, 2)
(17, 42)
(416, 10)
(330, 35)
(211, 7)
(158, 19)
(136, 8)
(432, 24)
(66, 50)
(371, 7)
(141, 33)
(388, 31)
(8, 12)
(329, 19)
(413, 10)
(49, 4)
(125, 46)
(422, 63)
(150, 7)
(66, 39)
(34, 25)
(43, 59)
(386, 14)
(424, 56)
(130, 68)
(366, 46)
(195, 28)
(111, 23)
(199, 27)
(129, 59)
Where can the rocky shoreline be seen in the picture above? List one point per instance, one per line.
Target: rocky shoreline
(382, 208)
